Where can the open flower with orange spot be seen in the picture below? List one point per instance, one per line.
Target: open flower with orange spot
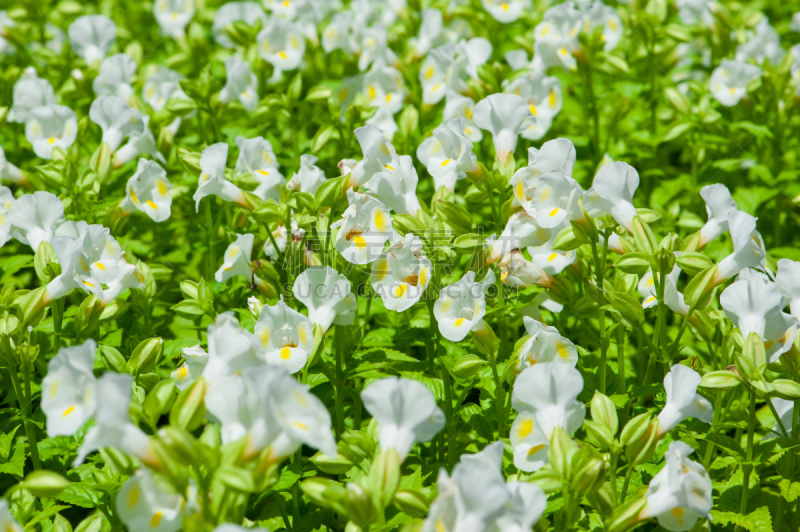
(396, 185)
(146, 504)
(236, 260)
(247, 12)
(91, 36)
(441, 72)
(364, 228)
(309, 177)
(149, 191)
(456, 106)
(719, 204)
(34, 218)
(545, 344)
(522, 230)
(282, 45)
(69, 396)
(543, 94)
(462, 305)
(195, 360)
(257, 159)
(728, 82)
(401, 274)
(447, 154)
(173, 16)
(378, 155)
(545, 395)
(49, 127)
(680, 493)
(286, 335)
(30, 92)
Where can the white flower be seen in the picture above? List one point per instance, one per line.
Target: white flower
(543, 94)
(612, 192)
(162, 86)
(145, 505)
(30, 92)
(683, 401)
(556, 37)
(430, 31)
(212, 178)
(69, 397)
(551, 261)
(236, 260)
(241, 84)
(6, 201)
(517, 271)
(115, 76)
(406, 412)
(247, 12)
(447, 154)
(598, 14)
(231, 350)
(748, 247)
(149, 191)
(525, 506)
(506, 116)
(286, 335)
(552, 198)
(384, 88)
(112, 426)
(50, 127)
(280, 238)
(545, 395)
(462, 106)
(729, 81)
(9, 172)
(506, 11)
(338, 35)
(695, 12)
(462, 305)
(309, 177)
(673, 299)
(326, 294)
(545, 345)
(139, 143)
(788, 280)
(374, 50)
(364, 228)
(719, 204)
(91, 36)
(257, 159)
(396, 185)
(440, 73)
(282, 45)
(35, 217)
(378, 154)
(195, 360)
(7, 521)
(173, 16)
(521, 230)
(764, 44)
(401, 274)
(680, 493)
(755, 305)
(557, 155)
(473, 53)
(117, 120)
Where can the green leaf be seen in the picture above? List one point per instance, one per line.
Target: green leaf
(79, 494)
(789, 490)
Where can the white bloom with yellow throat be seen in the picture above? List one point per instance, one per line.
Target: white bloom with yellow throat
(35, 217)
(545, 345)
(447, 154)
(161, 86)
(91, 36)
(719, 204)
(543, 94)
(30, 92)
(241, 84)
(139, 143)
(378, 155)
(401, 274)
(442, 72)
(173, 16)
(506, 11)
(374, 50)
(117, 120)
(556, 38)
(113, 427)
(145, 505)
(612, 192)
(236, 260)
(406, 412)
(756, 305)
(462, 305)
(505, 116)
(521, 230)
(326, 294)
(149, 191)
(680, 493)
(728, 82)
(49, 127)
(247, 12)
(545, 395)
(231, 350)
(115, 76)
(364, 229)
(69, 395)
(212, 178)
(6, 201)
(683, 401)
(672, 298)
(551, 261)
(748, 247)
(286, 335)
(195, 360)
(395, 185)
(282, 45)
(384, 88)
(456, 106)
(257, 158)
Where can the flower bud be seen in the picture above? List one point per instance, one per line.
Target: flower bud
(720, 380)
(359, 505)
(146, 355)
(118, 460)
(561, 289)
(32, 305)
(190, 160)
(561, 452)
(468, 366)
(87, 318)
(266, 271)
(626, 516)
(180, 444)
(326, 493)
(45, 483)
(693, 262)
(643, 237)
(700, 289)
(485, 340)
(384, 477)
(455, 216)
(639, 437)
(46, 263)
(605, 411)
(337, 465)
(590, 475)
(412, 502)
(189, 409)
(406, 223)
(102, 161)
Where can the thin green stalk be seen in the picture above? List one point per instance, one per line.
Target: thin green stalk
(24, 402)
(339, 385)
(212, 237)
(499, 397)
(601, 319)
(677, 341)
(747, 468)
(612, 473)
(628, 473)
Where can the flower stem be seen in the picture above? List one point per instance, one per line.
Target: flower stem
(628, 473)
(339, 396)
(747, 468)
(24, 402)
